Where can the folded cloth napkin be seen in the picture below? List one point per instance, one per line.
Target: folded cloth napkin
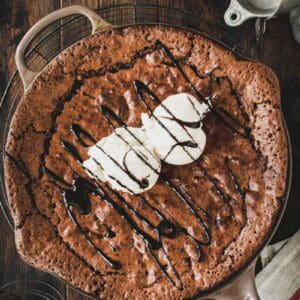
(280, 277)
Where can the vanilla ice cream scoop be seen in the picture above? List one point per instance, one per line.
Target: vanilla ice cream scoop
(130, 158)
(174, 129)
(125, 160)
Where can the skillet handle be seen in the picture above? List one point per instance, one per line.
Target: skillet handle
(27, 75)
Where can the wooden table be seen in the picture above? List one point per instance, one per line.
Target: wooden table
(277, 49)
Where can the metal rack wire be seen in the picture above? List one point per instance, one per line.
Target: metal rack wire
(61, 34)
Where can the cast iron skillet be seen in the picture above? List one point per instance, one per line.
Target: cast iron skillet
(241, 285)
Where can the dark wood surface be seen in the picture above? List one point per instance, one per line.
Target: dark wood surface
(276, 49)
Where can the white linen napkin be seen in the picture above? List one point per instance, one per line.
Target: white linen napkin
(280, 277)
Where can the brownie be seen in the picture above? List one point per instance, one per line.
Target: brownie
(202, 222)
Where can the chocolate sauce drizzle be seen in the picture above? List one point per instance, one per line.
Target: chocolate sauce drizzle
(82, 135)
(114, 264)
(113, 191)
(56, 178)
(164, 228)
(173, 231)
(20, 166)
(228, 120)
(85, 187)
(181, 144)
(193, 125)
(142, 183)
(78, 194)
(220, 114)
(73, 151)
(107, 113)
(143, 89)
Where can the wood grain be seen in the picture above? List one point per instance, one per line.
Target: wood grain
(277, 49)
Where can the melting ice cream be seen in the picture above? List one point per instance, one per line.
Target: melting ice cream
(174, 130)
(130, 158)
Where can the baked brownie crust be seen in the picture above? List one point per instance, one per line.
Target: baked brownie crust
(236, 185)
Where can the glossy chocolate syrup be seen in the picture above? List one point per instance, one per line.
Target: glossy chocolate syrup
(81, 188)
(181, 144)
(165, 221)
(225, 118)
(219, 113)
(19, 165)
(72, 150)
(142, 183)
(114, 264)
(164, 228)
(193, 125)
(107, 113)
(56, 177)
(79, 195)
(82, 135)
(143, 90)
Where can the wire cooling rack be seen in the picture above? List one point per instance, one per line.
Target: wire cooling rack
(61, 34)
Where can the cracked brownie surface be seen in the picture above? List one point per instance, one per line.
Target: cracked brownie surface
(201, 222)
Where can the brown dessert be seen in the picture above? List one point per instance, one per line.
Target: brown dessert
(201, 222)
